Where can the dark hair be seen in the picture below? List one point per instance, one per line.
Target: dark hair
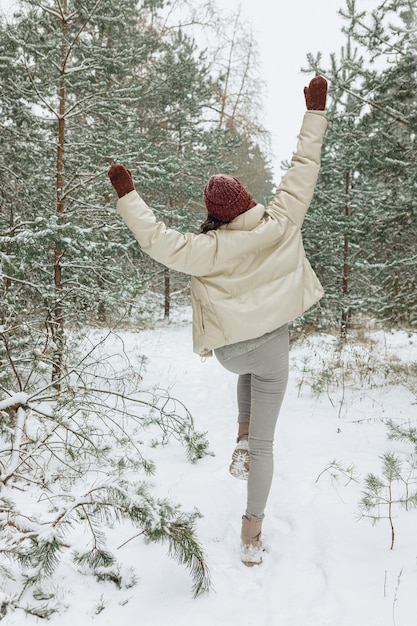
(211, 223)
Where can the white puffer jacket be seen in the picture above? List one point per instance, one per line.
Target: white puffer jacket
(250, 276)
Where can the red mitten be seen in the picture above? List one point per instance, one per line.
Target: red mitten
(316, 94)
(121, 179)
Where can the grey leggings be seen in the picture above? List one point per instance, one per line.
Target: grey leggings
(263, 376)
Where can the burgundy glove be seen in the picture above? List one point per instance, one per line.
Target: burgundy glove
(121, 179)
(316, 93)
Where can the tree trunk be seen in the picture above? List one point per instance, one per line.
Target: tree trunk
(167, 275)
(58, 313)
(167, 293)
(346, 268)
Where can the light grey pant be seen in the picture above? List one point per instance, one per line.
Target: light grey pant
(263, 376)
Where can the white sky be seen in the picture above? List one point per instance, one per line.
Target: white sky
(286, 32)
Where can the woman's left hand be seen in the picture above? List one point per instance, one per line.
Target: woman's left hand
(316, 93)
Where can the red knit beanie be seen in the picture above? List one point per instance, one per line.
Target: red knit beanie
(226, 198)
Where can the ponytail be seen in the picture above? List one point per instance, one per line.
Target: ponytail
(211, 223)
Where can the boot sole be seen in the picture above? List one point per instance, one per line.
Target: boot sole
(251, 563)
(239, 467)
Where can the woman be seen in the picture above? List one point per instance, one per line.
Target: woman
(249, 278)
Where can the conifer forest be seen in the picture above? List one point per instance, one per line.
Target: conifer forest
(173, 91)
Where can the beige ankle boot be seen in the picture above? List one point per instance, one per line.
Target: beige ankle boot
(251, 547)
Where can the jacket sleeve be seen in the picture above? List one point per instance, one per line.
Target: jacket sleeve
(294, 194)
(187, 253)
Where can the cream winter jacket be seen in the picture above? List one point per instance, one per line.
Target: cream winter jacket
(250, 276)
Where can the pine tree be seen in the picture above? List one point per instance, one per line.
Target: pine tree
(54, 451)
(336, 216)
(372, 136)
(391, 127)
(61, 71)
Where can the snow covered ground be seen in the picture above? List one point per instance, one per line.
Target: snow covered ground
(322, 567)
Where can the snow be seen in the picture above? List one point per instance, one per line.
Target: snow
(322, 566)
(20, 398)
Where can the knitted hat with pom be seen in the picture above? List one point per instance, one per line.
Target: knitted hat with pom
(226, 198)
